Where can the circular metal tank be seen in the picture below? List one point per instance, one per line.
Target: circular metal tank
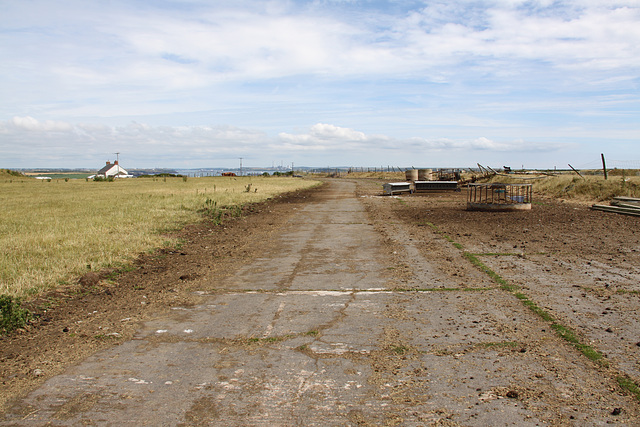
(411, 174)
(425, 174)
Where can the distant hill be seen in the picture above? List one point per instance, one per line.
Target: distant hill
(9, 174)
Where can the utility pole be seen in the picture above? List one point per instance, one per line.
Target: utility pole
(117, 163)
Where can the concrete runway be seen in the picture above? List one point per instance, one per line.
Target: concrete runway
(316, 332)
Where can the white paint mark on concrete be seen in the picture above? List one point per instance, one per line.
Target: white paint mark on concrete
(338, 348)
(276, 315)
(228, 386)
(488, 395)
(317, 293)
(350, 384)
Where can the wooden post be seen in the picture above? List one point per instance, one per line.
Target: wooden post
(576, 172)
(604, 166)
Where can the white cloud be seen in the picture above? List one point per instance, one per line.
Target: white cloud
(222, 43)
(325, 137)
(586, 38)
(326, 131)
(447, 76)
(143, 145)
(30, 124)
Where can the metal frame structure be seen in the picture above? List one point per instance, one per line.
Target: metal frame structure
(499, 197)
(435, 185)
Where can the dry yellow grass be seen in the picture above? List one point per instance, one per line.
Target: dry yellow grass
(386, 175)
(51, 232)
(587, 189)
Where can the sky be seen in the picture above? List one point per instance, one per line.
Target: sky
(363, 83)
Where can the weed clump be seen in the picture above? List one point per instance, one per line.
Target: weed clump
(12, 316)
(217, 214)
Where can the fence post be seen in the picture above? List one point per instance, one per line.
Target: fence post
(604, 166)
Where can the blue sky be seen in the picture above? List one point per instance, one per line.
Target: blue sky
(200, 83)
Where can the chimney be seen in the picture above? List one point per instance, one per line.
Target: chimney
(115, 163)
(108, 162)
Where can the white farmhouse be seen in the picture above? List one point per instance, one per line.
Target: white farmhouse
(114, 170)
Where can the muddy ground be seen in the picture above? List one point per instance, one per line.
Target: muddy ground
(582, 267)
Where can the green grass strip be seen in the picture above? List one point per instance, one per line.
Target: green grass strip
(272, 339)
(571, 337)
(563, 332)
(624, 291)
(453, 242)
(492, 274)
(534, 307)
(431, 225)
(447, 238)
(630, 386)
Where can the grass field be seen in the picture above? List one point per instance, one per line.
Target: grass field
(52, 232)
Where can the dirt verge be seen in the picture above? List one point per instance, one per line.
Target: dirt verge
(105, 308)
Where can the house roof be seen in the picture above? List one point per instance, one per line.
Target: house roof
(105, 169)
